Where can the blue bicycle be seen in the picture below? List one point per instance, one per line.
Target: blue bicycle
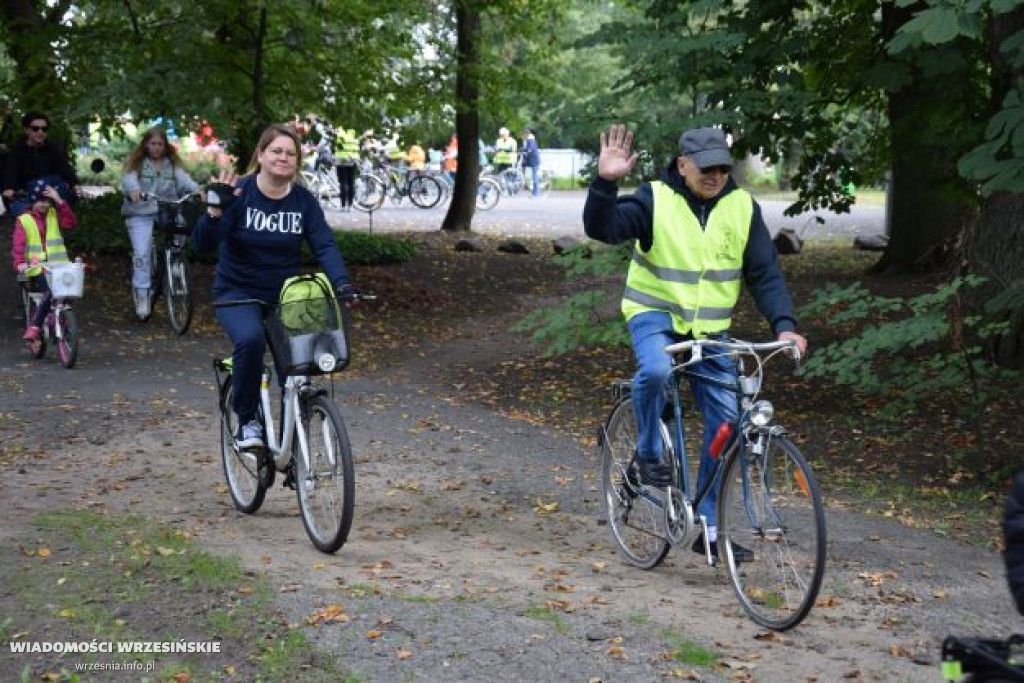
(771, 521)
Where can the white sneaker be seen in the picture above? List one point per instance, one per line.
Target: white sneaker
(141, 303)
(250, 435)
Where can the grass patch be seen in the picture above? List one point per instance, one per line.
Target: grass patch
(84, 576)
(687, 651)
(545, 613)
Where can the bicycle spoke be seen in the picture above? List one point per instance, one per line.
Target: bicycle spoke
(635, 522)
(246, 475)
(325, 483)
(770, 505)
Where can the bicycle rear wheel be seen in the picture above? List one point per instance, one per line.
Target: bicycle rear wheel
(369, 192)
(425, 192)
(326, 488)
(248, 473)
(770, 504)
(177, 272)
(67, 336)
(487, 194)
(637, 523)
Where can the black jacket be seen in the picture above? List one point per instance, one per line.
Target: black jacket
(612, 219)
(26, 163)
(1013, 534)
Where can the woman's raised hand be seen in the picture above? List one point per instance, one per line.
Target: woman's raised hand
(617, 158)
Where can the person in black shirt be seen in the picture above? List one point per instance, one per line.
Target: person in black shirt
(36, 157)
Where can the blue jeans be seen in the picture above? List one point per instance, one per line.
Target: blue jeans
(651, 332)
(535, 178)
(244, 326)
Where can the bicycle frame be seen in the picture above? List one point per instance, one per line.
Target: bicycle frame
(745, 389)
(280, 448)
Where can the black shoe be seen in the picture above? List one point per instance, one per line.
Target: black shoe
(654, 473)
(739, 553)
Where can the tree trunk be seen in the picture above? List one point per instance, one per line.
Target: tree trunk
(927, 204)
(995, 250)
(467, 121)
(995, 245)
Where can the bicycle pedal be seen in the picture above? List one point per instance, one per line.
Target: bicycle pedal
(289, 478)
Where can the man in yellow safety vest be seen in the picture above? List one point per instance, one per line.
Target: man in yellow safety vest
(698, 236)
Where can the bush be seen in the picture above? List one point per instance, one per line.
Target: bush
(373, 250)
(590, 318)
(101, 227)
(908, 351)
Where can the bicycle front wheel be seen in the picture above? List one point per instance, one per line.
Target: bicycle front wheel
(513, 181)
(177, 274)
(326, 486)
(545, 183)
(487, 194)
(369, 192)
(636, 522)
(425, 192)
(770, 504)
(248, 473)
(66, 327)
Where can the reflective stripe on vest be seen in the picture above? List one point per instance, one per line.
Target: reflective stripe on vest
(34, 250)
(694, 274)
(505, 151)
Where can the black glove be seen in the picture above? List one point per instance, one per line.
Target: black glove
(349, 294)
(220, 195)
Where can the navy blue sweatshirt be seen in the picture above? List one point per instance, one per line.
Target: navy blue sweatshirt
(260, 238)
(612, 219)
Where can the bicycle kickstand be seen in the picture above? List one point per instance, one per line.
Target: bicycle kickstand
(707, 541)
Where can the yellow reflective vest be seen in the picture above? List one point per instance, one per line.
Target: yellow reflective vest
(35, 250)
(349, 144)
(505, 150)
(694, 274)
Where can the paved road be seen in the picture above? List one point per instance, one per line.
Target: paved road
(560, 214)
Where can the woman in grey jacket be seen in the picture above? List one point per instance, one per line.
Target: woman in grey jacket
(153, 170)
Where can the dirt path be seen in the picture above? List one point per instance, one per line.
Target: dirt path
(452, 557)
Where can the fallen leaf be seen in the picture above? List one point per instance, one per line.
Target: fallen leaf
(332, 614)
(617, 652)
(542, 508)
(43, 552)
(404, 654)
(374, 633)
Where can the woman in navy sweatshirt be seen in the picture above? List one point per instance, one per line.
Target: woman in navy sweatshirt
(259, 228)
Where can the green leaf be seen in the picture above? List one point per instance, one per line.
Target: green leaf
(939, 25)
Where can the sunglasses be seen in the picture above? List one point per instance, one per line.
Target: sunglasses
(724, 170)
(39, 129)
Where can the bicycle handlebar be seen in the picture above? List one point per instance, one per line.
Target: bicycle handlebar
(146, 196)
(737, 345)
(267, 304)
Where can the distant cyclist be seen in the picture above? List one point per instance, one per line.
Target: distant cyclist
(259, 226)
(152, 169)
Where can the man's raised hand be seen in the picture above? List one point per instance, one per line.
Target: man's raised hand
(617, 158)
